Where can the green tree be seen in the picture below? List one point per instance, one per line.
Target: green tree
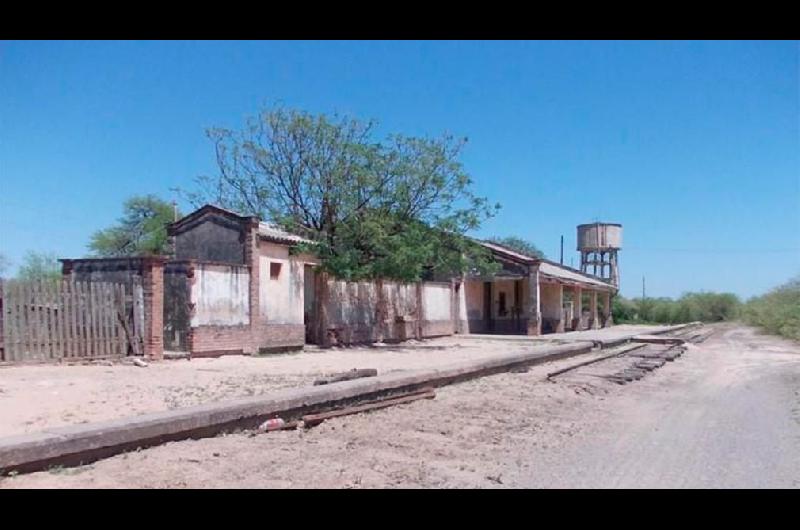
(39, 266)
(518, 244)
(142, 229)
(395, 207)
(4, 264)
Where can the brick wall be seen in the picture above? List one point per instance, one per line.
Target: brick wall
(258, 335)
(153, 289)
(219, 340)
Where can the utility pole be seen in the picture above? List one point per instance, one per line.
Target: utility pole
(562, 249)
(643, 291)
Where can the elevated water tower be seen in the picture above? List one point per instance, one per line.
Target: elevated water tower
(598, 244)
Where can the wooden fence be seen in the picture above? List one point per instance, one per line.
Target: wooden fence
(63, 320)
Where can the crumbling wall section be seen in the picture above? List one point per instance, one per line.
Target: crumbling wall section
(370, 311)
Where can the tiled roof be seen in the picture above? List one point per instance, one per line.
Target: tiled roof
(558, 271)
(273, 233)
(546, 267)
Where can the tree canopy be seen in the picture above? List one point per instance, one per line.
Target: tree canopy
(39, 266)
(140, 231)
(395, 207)
(520, 245)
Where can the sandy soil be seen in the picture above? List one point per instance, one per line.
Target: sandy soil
(725, 414)
(36, 397)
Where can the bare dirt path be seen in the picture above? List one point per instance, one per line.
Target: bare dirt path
(725, 414)
(728, 416)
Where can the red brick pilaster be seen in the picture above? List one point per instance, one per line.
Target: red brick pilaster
(252, 260)
(153, 291)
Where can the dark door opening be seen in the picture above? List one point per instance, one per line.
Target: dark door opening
(487, 307)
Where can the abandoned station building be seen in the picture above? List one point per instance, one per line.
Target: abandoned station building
(238, 285)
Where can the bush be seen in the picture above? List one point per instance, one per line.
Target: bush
(691, 307)
(778, 311)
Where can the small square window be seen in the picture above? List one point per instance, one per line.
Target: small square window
(274, 270)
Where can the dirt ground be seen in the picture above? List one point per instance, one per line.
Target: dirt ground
(36, 397)
(725, 414)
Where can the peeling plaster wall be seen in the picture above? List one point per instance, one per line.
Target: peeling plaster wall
(221, 295)
(473, 295)
(353, 310)
(281, 299)
(551, 303)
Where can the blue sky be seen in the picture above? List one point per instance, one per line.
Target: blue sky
(693, 146)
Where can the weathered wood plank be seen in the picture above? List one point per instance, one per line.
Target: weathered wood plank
(112, 309)
(99, 306)
(32, 333)
(10, 322)
(69, 287)
(16, 321)
(55, 344)
(45, 305)
(62, 313)
(41, 332)
(138, 316)
(105, 311)
(80, 313)
(95, 301)
(55, 290)
(120, 308)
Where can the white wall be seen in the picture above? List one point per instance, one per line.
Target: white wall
(437, 301)
(281, 299)
(221, 296)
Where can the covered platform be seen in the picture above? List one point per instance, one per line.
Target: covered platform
(534, 296)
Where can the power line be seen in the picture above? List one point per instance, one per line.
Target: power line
(712, 250)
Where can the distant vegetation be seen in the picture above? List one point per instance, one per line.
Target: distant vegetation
(39, 266)
(778, 311)
(141, 230)
(691, 307)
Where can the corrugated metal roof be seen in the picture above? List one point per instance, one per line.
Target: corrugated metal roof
(273, 233)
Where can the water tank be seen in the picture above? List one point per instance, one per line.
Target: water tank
(599, 237)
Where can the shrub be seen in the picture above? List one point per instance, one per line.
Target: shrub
(778, 311)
